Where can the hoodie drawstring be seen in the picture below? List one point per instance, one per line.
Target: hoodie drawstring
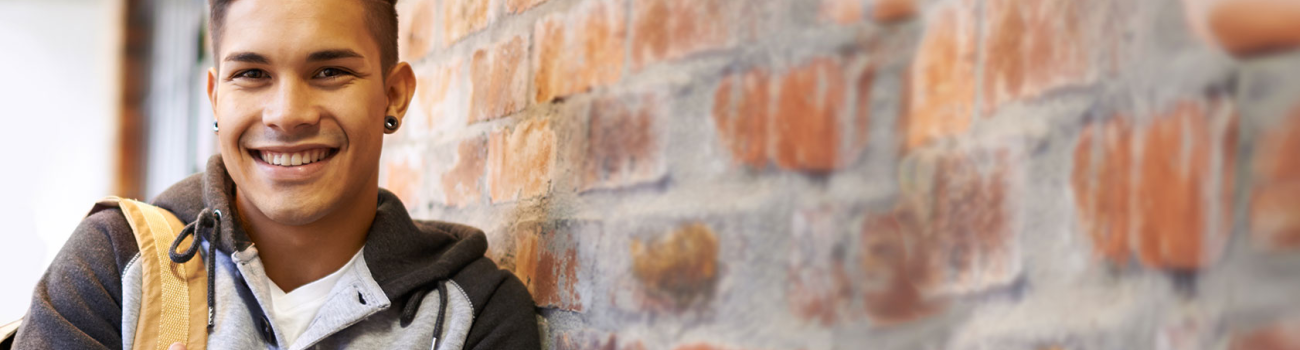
(212, 219)
(413, 305)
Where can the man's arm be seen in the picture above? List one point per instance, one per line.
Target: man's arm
(78, 302)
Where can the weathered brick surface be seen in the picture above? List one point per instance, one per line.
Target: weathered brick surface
(1280, 335)
(893, 268)
(807, 122)
(463, 17)
(819, 289)
(576, 51)
(549, 272)
(797, 118)
(403, 180)
(1275, 206)
(500, 78)
(520, 161)
(942, 97)
(1254, 27)
(742, 112)
(842, 11)
(973, 224)
(442, 93)
(1031, 46)
(463, 184)
(624, 144)
(938, 174)
(680, 269)
(1158, 209)
(516, 6)
(892, 10)
(670, 29)
(415, 36)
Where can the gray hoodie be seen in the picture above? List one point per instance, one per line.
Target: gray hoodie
(416, 279)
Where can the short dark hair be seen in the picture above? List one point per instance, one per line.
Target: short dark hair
(381, 19)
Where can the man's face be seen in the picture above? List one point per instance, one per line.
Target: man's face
(300, 98)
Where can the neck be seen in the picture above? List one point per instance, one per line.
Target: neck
(294, 255)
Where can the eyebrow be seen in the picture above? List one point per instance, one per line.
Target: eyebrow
(335, 54)
(248, 57)
(325, 55)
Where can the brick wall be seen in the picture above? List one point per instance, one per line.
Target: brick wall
(847, 174)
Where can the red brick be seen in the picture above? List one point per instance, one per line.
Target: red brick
(973, 227)
(1275, 203)
(893, 261)
(500, 79)
(1031, 46)
(1248, 28)
(842, 11)
(624, 146)
(887, 11)
(1161, 208)
(464, 182)
(806, 125)
(742, 110)
(517, 6)
(403, 179)
(551, 274)
(681, 267)
(462, 17)
(579, 50)
(520, 161)
(440, 92)
(942, 86)
(820, 288)
(1171, 190)
(415, 37)
(671, 29)
(1103, 187)
(1280, 335)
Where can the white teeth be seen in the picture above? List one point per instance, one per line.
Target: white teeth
(294, 159)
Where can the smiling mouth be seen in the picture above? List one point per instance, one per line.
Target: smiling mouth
(293, 159)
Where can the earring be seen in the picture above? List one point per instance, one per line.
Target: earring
(391, 124)
(215, 128)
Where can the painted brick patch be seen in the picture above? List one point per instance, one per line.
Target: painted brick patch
(681, 268)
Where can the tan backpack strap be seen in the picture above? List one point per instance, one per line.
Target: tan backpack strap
(172, 307)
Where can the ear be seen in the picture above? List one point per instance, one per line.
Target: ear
(399, 88)
(212, 90)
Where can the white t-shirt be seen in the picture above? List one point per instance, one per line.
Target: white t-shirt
(293, 311)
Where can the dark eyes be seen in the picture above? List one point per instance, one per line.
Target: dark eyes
(330, 73)
(251, 74)
(258, 74)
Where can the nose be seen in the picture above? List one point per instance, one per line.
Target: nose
(292, 106)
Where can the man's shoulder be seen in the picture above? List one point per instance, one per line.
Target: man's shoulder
(105, 229)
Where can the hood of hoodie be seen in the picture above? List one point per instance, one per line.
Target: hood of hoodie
(403, 255)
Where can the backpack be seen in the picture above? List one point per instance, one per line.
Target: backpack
(172, 305)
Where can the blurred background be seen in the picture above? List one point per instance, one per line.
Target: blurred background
(88, 85)
(765, 174)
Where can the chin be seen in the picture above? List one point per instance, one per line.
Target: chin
(291, 212)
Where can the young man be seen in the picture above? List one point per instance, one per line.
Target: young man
(303, 247)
